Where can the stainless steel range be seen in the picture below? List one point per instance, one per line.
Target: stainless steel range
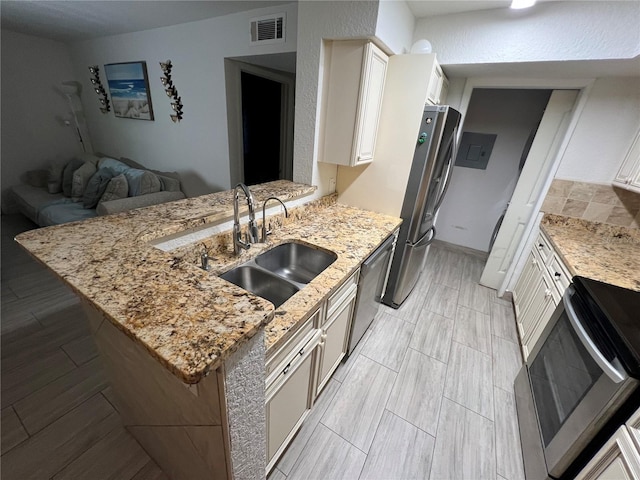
(583, 370)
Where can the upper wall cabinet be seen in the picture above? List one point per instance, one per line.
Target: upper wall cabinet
(354, 82)
(629, 174)
(438, 86)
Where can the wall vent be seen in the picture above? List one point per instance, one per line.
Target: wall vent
(268, 29)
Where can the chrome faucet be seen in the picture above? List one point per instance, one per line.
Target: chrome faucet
(266, 232)
(252, 233)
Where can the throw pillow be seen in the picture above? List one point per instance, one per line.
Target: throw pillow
(132, 163)
(141, 182)
(113, 164)
(168, 184)
(67, 176)
(96, 187)
(80, 179)
(117, 188)
(54, 181)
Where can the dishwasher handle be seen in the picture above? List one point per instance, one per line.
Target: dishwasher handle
(382, 250)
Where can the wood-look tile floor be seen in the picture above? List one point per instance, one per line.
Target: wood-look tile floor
(57, 418)
(427, 393)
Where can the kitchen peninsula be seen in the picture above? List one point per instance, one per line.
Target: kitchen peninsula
(185, 350)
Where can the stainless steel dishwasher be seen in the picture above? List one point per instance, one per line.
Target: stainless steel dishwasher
(373, 280)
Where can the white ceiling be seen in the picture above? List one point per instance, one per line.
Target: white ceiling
(75, 20)
(562, 69)
(431, 8)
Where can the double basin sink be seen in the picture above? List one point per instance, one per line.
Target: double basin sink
(277, 274)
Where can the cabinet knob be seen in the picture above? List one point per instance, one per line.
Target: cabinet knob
(557, 275)
(547, 293)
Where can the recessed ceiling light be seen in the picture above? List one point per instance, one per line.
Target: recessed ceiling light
(517, 4)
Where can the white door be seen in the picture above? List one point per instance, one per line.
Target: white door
(532, 179)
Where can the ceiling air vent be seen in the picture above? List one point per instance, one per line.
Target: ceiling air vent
(268, 29)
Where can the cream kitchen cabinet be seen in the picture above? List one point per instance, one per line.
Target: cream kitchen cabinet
(629, 174)
(538, 291)
(335, 330)
(290, 387)
(438, 85)
(352, 100)
(633, 424)
(298, 370)
(618, 459)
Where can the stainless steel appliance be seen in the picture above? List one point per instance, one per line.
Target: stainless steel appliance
(428, 181)
(582, 372)
(373, 276)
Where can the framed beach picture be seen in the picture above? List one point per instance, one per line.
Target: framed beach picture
(129, 88)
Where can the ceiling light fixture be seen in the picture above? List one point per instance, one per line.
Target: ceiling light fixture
(518, 4)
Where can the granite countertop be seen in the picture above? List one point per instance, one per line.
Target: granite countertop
(188, 319)
(351, 233)
(602, 252)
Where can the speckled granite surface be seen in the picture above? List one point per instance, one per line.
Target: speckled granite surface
(189, 319)
(595, 250)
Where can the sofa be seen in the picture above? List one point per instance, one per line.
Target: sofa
(89, 186)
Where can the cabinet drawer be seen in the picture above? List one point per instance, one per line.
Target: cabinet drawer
(543, 247)
(339, 296)
(297, 341)
(558, 273)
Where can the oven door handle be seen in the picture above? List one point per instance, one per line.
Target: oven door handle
(615, 375)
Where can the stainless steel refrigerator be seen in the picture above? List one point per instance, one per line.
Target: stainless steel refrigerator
(435, 152)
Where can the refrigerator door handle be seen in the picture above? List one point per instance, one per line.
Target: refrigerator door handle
(430, 236)
(447, 177)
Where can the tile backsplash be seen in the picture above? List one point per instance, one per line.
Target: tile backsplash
(594, 202)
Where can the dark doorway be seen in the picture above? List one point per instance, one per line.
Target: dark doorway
(261, 123)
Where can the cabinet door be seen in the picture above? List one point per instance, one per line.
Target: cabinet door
(634, 183)
(629, 174)
(539, 319)
(538, 310)
(633, 424)
(369, 104)
(522, 290)
(334, 339)
(352, 100)
(618, 459)
(289, 399)
(435, 85)
(444, 91)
